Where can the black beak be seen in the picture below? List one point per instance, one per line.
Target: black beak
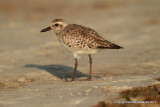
(46, 29)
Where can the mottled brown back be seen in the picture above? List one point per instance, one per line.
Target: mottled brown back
(80, 37)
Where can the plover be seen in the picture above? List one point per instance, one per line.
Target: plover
(80, 40)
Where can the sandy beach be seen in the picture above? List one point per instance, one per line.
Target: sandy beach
(35, 70)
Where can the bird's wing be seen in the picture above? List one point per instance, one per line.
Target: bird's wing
(80, 37)
(94, 40)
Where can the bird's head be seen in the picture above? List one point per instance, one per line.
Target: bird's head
(57, 25)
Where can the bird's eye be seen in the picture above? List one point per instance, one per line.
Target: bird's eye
(56, 24)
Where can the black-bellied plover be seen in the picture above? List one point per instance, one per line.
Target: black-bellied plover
(79, 40)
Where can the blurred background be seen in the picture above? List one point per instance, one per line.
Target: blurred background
(27, 53)
(132, 24)
(109, 18)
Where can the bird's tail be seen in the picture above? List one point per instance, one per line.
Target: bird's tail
(110, 45)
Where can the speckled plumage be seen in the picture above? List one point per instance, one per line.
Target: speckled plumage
(82, 40)
(79, 39)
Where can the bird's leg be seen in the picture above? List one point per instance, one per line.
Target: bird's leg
(90, 71)
(75, 69)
